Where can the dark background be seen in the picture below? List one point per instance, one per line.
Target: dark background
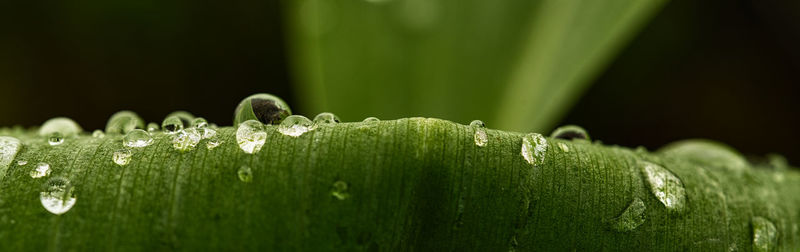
(725, 70)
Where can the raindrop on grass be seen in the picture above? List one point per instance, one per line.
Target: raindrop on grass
(534, 147)
(41, 170)
(371, 119)
(60, 126)
(251, 136)
(633, 217)
(186, 139)
(122, 157)
(137, 139)
(570, 132)
(9, 146)
(765, 235)
(480, 136)
(665, 186)
(55, 138)
(152, 127)
(172, 125)
(326, 118)
(245, 174)
(123, 122)
(295, 126)
(339, 190)
(265, 108)
(98, 134)
(57, 196)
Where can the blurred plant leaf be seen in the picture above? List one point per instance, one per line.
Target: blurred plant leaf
(515, 64)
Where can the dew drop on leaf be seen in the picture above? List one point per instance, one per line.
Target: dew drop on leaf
(665, 186)
(9, 146)
(371, 119)
(534, 147)
(295, 126)
(98, 134)
(251, 136)
(765, 235)
(152, 127)
(265, 108)
(339, 190)
(707, 153)
(245, 174)
(122, 157)
(137, 139)
(57, 196)
(201, 125)
(55, 138)
(41, 170)
(212, 143)
(631, 218)
(172, 125)
(185, 117)
(480, 136)
(123, 122)
(186, 139)
(62, 126)
(563, 147)
(22, 162)
(326, 118)
(569, 132)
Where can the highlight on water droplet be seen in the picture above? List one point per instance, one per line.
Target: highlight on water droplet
(326, 118)
(60, 127)
(765, 235)
(152, 127)
(9, 146)
(265, 108)
(55, 138)
(57, 196)
(631, 218)
(534, 147)
(480, 136)
(137, 139)
(98, 134)
(22, 162)
(371, 119)
(665, 186)
(122, 157)
(295, 126)
(172, 125)
(186, 139)
(245, 174)
(570, 132)
(123, 122)
(563, 147)
(251, 136)
(41, 170)
(339, 190)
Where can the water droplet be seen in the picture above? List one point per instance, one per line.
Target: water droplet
(199, 122)
(326, 118)
(55, 138)
(9, 147)
(137, 138)
(186, 139)
(22, 162)
(339, 190)
(665, 186)
(123, 122)
(765, 235)
(631, 218)
(707, 153)
(60, 126)
(265, 108)
(570, 132)
(57, 196)
(371, 120)
(152, 127)
(41, 170)
(534, 146)
(203, 129)
(245, 174)
(480, 136)
(172, 125)
(122, 157)
(98, 134)
(185, 117)
(296, 125)
(251, 136)
(563, 147)
(212, 143)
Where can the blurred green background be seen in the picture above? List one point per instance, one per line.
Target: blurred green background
(631, 72)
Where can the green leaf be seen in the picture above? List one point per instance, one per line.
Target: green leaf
(408, 184)
(518, 65)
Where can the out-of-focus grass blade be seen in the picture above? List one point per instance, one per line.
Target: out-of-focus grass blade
(455, 59)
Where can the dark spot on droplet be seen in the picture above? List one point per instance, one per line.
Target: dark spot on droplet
(569, 135)
(268, 111)
(170, 127)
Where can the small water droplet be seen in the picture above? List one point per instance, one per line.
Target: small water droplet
(61, 126)
(251, 136)
(98, 134)
(9, 146)
(55, 138)
(563, 147)
(371, 120)
(137, 139)
(57, 196)
(199, 122)
(152, 127)
(534, 147)
(245, 174)
(265, 108)
(212, 143)
(41, 170)
(123, 122)
(295, 126)
(570, 132)
(326, 118)
(765, 235)
(665, 186)
(22, 162)
(186, 139)
(339, 190)
(185, 117)
(480, 136)
(633, 217)
(122, 157)
(172, 125)
(203, 129)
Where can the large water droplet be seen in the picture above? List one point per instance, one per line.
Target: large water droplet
(122, 157)
(152, 127)
(41, 170)
(55, 138)
(251, 136)
(765, 235)
(707, 153)
(339, 190)
(172, 125)
(9, 147)
(265, 108)
(631, 218)
(326, 118)
(186, 139)
(245, 174)
(665, 186)
(296, 125)
(57, 196)
(98, 134)
(62, 126)
(123, 122)
(534, 147)
(480, 136)
(137, 139)
(570, 132)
